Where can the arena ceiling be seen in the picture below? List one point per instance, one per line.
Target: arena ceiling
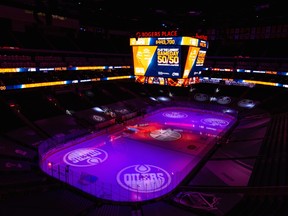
(152, 15)
(177, 14)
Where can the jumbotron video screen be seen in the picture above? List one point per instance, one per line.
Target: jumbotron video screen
(168, 60)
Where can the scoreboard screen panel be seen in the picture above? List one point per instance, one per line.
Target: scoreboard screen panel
(157, 61)
(172, 57)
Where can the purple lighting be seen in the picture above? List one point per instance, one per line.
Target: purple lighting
(142, 161)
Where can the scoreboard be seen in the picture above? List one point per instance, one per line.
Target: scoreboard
(168, 57)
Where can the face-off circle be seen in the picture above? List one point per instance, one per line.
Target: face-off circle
(122, 111)
(223, 100)
(214, 122)
(84, 157)
(165, 135)
(201, 97)
(98, 118)
(143, 178)
(175, 115)
(246, 103)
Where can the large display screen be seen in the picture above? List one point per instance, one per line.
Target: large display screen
(168, 57)
(157, 61)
